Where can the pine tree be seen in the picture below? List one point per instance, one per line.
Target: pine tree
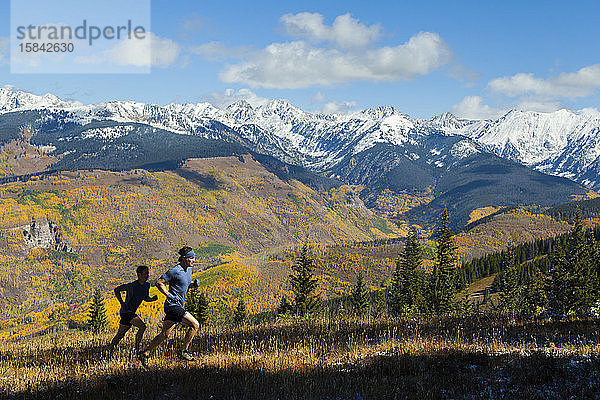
(381, 306)
(510, 298)
(408, 280)
(561, 295)
(240, 315)
(304, 286)
(574, 288)
(202, 309)
(197, 305)
(360, 297)
(443, 279)
(191, 302)
(536, 300)
(397, 291)
(414, 278)
(97, 314)
(580, 258)
(284, 306)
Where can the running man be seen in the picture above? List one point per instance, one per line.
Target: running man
(137, 291)
(179, 279)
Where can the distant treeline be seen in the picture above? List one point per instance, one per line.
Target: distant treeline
(374, 242)
(534, 253)
(566, 212)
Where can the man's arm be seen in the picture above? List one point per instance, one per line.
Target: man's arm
(194, 284)
(118, 290)
(161, 285)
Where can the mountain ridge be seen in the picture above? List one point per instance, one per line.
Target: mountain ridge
(390, 150)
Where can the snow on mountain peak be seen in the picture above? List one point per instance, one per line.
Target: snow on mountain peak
(240, 111)
(380, 113)
(12, 99)
(563, 142)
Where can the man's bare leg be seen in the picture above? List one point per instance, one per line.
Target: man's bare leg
(118, 336)
(189, 320)
(161, 337)
(138, 323)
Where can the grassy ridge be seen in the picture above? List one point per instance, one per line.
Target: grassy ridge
(468, 357)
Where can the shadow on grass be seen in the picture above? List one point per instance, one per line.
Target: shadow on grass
(441, 375)
(340, 335)
(429, 374)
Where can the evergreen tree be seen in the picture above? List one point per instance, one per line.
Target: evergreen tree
(408, 281)
(510, 297)
(561, 295)
(360, 297)
(443, 286)
(304, 286)
(97, 313)
(536, 300)
(202, 309)
(580, 265)
(240, 314)
(381, 306)
(191, 301)
(284, 306)
(414, 278)
(397, 291)
(197, 305)
(574, 288)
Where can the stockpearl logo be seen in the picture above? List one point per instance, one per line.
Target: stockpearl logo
(67, 37)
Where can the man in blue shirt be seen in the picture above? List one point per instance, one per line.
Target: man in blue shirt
(179, 280)
(137, 291)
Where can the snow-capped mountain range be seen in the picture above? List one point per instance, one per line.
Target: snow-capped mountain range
(460, 162)
(279, 128)
(562, 143)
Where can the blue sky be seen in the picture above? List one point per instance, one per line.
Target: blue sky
(474, 58)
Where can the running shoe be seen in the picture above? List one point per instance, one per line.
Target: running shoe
(187, 356)
(143, 359)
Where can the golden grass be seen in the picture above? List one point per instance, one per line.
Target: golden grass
(467, 357)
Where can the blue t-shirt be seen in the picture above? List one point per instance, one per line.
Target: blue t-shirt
(179, 281)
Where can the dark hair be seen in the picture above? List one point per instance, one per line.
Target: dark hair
(183, 251)
(141, 268)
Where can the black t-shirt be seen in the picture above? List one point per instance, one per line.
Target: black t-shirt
(136, 293)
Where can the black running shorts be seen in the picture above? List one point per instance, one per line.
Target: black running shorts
(126, 318)
(174, 313)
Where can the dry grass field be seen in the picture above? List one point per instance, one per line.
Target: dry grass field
(474, 357)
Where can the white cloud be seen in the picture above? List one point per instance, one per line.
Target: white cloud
(581, 83)
(152, 50)
(298, 64)
(318, 98)
(230, 96)
(217, 51)
(4, 49)
(334, 107)
(590, 111)
(472, 107)
(345, 31)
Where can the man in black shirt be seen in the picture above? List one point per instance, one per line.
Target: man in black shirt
(137, 291)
